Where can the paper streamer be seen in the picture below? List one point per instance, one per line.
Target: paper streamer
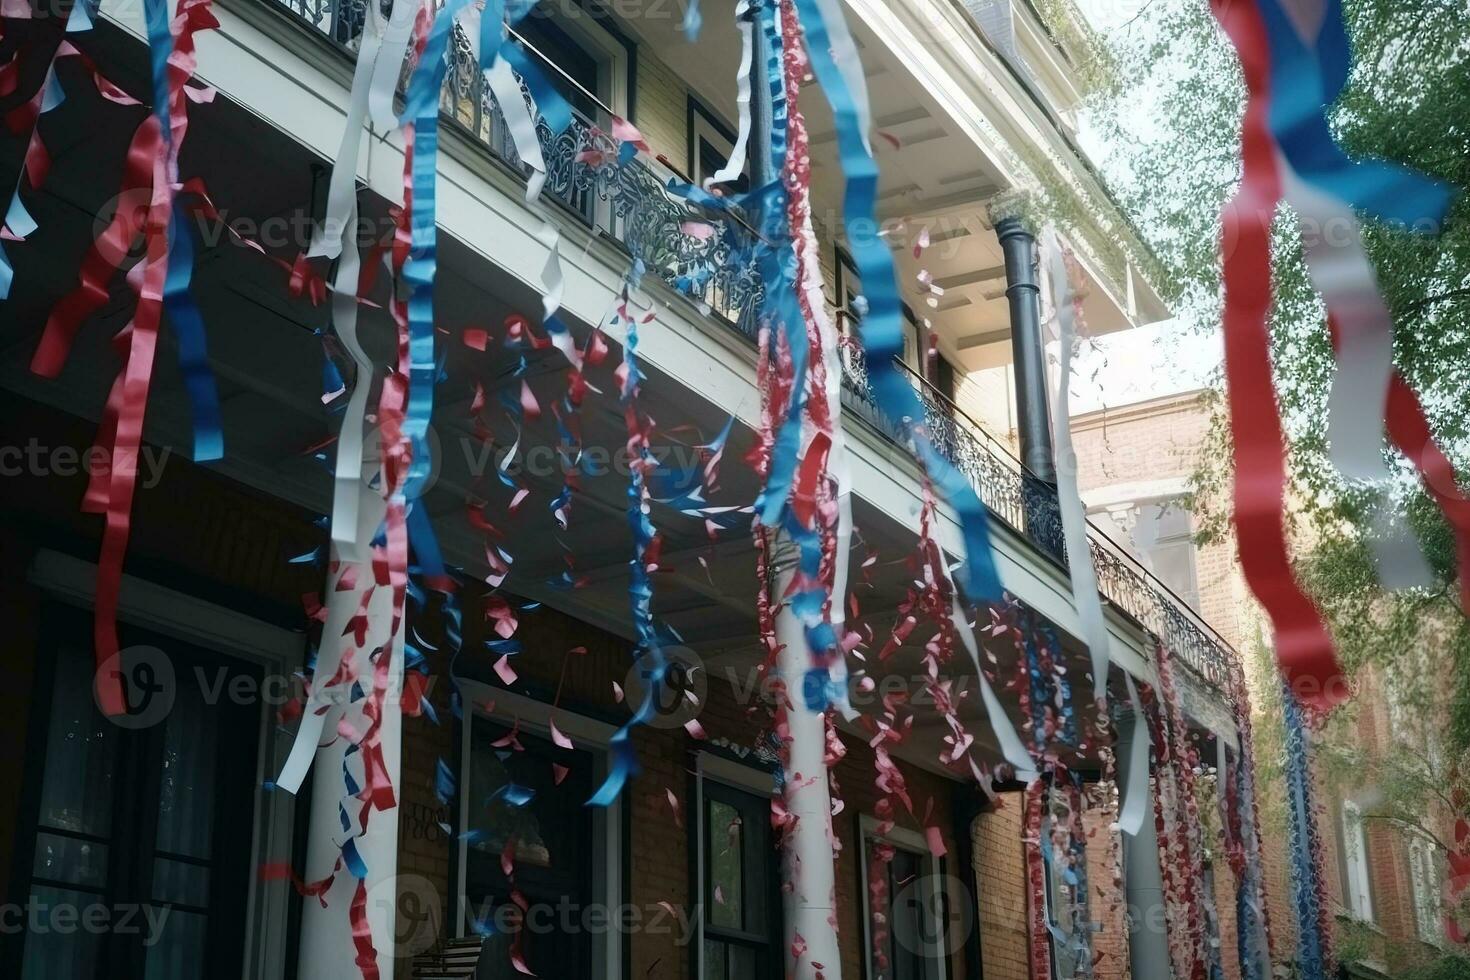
(835, 61)
(1310, 62)
(336, 237)
(1134, 807)
(1309, 894)
(1074, 520)
(1303, 646)
(735, 165)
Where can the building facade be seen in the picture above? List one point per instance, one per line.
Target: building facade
(1384, 877)
(447, 797)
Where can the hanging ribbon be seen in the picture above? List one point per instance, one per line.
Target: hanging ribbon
(735, 165)
(1085, 597)
(1309, 894)
(1296, 64)
(152, 167)
(336, 236)
(1310, 62)
(646, 546)
(835, 60)
(1074, 520)
(1303, 647)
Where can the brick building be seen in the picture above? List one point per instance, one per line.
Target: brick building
(454, 746)
(1134, 461)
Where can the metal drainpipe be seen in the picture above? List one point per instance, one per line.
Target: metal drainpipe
(1033, 419)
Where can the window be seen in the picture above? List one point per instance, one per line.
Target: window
(908, 941)
(1165, 540)
(1425, 876)
(147, 813)
(1357, 891)
(738, 872)
(587, 60)
(1070, 951)
(711, 143)
(526, 796)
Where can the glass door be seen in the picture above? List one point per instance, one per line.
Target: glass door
(140, 848)
(743, 938)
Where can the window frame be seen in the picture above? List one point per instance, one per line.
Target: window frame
(712, 769)
(702, 122)
(501, 707)
(272, 917)
(936, 967)
(1357, 884)
(1424, 890)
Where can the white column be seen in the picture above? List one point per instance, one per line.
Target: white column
(327, 950)
(1143, 882)
(810, 905)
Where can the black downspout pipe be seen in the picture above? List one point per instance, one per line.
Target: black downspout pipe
(1033, 420)
(968, 804)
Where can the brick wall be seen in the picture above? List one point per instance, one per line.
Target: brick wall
(660, 856)
(1000, 873)
(1123, 449)
(1160, 441)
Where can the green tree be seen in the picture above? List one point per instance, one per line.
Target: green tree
(1170, 133)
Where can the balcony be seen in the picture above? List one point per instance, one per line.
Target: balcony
(633, 207)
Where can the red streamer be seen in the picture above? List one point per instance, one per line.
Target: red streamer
(1304, 648)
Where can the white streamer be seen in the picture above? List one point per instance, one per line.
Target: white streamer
(1069, 499)
(1011, 746)
(735, 166)
(520, 123)
(1358, 401)
(1074, 533)
(1135, 801)
(337, 237)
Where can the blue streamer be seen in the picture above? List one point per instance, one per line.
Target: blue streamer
(1302, 843)
(1306, 80)
(178, 301)
(422, 112)
(554, 109)
(623, 760)
(882, 329)
(184, 317)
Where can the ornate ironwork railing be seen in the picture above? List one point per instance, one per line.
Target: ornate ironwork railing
(1029, 506)
(711, 263)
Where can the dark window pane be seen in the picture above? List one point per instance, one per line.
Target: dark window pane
(181, 883)
(542, 33)
(179, 951)
(552, 846)
(727, 854)
(714, 960)
(69, 860)
(742, 963)
(81, 745)
(49, 953)
(186, 789)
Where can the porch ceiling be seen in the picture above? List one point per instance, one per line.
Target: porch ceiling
(267, 360)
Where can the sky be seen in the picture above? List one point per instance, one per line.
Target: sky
(1147, 362)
